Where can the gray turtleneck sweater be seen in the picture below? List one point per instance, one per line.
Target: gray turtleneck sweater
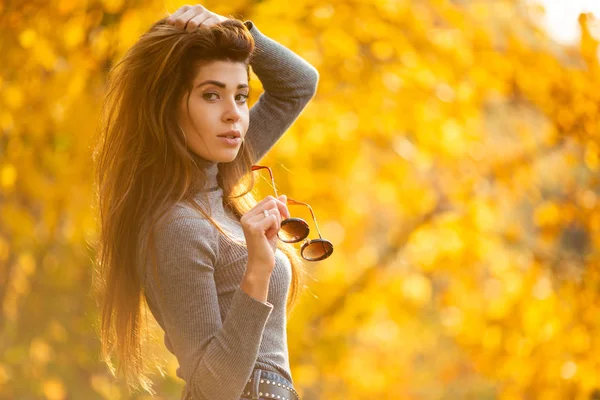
(218, 332)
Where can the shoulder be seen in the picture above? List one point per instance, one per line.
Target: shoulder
(184, 225)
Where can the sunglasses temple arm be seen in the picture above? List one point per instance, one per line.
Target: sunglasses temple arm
(292, 201)
(257, 167)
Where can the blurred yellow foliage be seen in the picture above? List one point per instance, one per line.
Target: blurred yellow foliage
(451, 155)
(54, 389)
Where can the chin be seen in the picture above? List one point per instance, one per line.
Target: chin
(228, 158)
(221, 156)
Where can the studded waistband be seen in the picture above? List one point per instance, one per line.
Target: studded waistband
(269, 385)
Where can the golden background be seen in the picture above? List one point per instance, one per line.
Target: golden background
(450, 155)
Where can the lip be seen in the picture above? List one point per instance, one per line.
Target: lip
(231, 142)
(233, 133)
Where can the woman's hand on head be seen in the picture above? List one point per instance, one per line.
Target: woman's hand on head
(190, 17)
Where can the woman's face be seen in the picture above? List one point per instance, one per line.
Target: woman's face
(217, 104)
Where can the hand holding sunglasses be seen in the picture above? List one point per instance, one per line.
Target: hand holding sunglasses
(294, 230)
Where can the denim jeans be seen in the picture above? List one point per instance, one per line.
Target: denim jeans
(266, 375)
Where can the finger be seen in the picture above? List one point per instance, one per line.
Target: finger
(257, 209)
(283, 211)
(180, 23)
(194, 12)
(210, 22)
(265, 204)
(277, 210)
(266, 199)
(272, 229)
(195, 22)
(176, 14)
(283, 207)
(265, 224)
(273, 212)
(190, 13)
(261, 214)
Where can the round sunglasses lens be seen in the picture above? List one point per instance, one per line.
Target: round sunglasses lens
(317, 250)
(293, 230)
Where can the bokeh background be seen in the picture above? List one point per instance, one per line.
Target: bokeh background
(450, 155)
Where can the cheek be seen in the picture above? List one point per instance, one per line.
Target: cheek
(199, 113)
(186, 111)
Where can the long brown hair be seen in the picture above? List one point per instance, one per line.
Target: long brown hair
(143, 168)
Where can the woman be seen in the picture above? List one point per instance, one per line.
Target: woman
(180, 229)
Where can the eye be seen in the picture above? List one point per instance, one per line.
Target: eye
(208, 94)
(244, 97)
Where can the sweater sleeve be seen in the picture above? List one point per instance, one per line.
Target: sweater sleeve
(216, 357)
(289, 83)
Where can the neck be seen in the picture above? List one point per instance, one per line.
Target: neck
(211, 170)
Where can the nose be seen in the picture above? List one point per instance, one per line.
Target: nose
(232, 111)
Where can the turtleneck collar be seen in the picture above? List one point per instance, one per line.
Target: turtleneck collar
(211, 169)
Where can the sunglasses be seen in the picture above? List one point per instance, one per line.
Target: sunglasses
(294, 230)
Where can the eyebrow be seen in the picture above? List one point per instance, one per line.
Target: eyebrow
(219, 84)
